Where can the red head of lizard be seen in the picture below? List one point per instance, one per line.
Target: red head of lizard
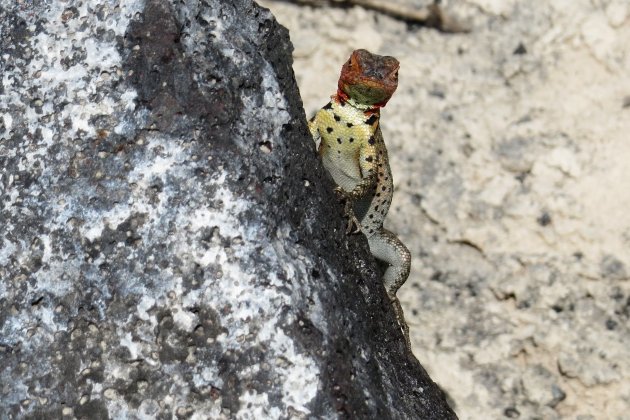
(368, 79)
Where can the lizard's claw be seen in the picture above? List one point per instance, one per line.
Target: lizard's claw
(353, 226)
(353, 223)
(343, 194)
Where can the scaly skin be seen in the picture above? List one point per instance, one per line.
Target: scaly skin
(353, 151)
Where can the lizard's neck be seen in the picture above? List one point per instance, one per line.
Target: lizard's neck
(342, 98)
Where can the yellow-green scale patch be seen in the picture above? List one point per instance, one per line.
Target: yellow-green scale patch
(352, 150)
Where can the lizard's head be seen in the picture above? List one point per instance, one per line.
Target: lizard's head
(368, 78)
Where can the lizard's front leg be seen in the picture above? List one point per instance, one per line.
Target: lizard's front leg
(367, 159)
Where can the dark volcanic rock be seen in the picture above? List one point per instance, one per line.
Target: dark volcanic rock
(168, 247)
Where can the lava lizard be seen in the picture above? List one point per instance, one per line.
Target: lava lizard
(353, 152)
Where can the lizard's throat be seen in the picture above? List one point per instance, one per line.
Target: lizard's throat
(343, 98)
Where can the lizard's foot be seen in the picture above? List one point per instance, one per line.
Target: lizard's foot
(353, 223)
(354, 226)
(342, 194)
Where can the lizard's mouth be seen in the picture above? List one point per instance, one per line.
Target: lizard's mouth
(368, 92)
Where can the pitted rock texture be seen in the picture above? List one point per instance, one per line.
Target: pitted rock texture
(168, 247)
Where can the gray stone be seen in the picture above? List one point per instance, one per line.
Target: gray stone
(613, 268)
(539, 386)
(515, 154)
(168, 247)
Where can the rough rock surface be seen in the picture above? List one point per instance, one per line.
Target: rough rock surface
(510, 150)
(167, 247)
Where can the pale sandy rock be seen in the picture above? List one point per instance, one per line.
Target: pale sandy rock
(600, 37)
(495, 7)
(617, 12)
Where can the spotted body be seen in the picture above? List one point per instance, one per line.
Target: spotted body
(352, 150)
